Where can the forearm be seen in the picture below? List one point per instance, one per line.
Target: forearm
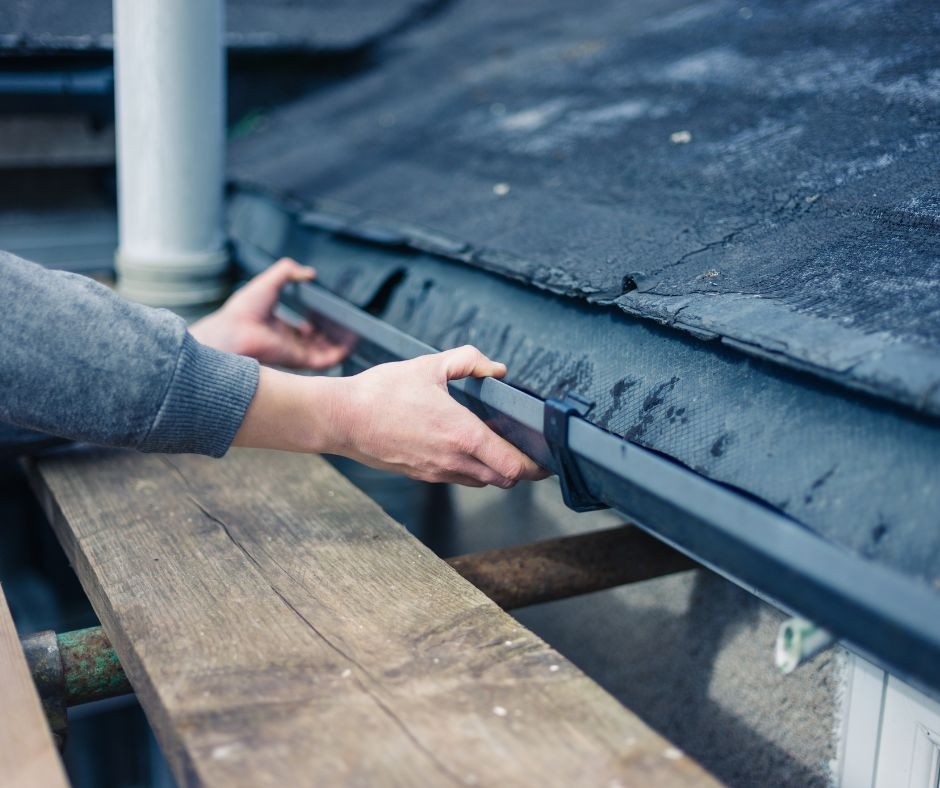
(294, 413)
(77, 361)
(80, 362)
(398, 417)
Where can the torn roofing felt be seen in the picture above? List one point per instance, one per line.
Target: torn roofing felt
(36, 26)
(765, 174)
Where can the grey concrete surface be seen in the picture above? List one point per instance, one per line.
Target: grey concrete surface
(692, 654)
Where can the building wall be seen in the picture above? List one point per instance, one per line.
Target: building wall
(891, 732)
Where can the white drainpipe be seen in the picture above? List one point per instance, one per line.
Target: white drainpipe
(170, 108)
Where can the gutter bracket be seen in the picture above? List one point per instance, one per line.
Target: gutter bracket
(558, 413)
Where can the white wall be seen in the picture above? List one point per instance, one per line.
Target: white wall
(891, 732)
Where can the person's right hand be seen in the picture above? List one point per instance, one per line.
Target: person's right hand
(397, 417)
(400, 417)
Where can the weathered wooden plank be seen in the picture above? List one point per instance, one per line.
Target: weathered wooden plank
(28, 756)
(280, 629)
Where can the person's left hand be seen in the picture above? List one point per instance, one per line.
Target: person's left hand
(246, 325)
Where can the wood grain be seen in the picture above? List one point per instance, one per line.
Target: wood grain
(28, 756)
(280, 629)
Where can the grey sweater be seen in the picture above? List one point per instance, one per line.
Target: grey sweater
(80, 362)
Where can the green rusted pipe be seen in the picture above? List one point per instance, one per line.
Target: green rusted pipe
(91, 666)
(74, 667)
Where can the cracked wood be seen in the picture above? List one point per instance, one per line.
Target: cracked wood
(280, 629)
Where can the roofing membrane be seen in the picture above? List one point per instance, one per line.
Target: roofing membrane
(763, 174)
(858, 472)
(733, 209)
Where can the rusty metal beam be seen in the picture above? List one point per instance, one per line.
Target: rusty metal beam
(73, 668)
(559, 568)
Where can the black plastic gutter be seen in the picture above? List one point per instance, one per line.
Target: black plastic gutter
(886, 617)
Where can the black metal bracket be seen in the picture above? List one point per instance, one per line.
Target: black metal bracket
(558, 414)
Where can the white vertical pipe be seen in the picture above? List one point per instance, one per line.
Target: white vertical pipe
(170, 110)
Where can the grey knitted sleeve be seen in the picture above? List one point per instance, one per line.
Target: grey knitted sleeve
(78, 361)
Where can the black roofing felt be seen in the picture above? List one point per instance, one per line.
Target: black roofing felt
(759, 175)
(298, 25)
(766, 174)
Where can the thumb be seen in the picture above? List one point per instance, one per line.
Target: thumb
(467, 361)
(285, 270)
(262, 292)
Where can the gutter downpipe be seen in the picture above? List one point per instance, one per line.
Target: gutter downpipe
(169, 65)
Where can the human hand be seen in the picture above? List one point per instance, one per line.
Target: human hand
(400, 417)
(397, 417)
(246, 325)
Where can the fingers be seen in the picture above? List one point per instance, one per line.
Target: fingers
(400, 416)
(299, 349)
(283, 271)
(480, 472)
(323, 354)
(261, 293)
(505, 459)
(472, 472)
(467, 361)
(459, 470)
(498, 461)
(489, 457)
